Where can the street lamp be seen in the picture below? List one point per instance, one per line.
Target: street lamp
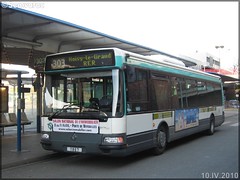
(219, 47)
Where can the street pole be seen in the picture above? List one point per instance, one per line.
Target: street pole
(19, 145)
(219, 47)
(39, 102)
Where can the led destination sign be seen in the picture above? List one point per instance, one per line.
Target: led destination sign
(80, 60)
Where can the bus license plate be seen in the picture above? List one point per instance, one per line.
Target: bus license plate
(74, 149)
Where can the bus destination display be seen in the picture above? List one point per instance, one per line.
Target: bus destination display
(80, 60)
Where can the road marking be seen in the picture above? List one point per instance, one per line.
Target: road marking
(226, 123)
(235, 124)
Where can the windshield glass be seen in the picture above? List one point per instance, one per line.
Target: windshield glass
(78, 93)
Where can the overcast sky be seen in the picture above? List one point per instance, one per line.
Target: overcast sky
(172, 27)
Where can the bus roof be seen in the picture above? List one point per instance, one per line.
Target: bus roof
(161, 62)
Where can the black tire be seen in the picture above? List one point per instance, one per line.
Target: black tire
(211, 129)
(161, 138)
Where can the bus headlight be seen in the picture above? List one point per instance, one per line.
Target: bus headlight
(45, 136)
(113, 140)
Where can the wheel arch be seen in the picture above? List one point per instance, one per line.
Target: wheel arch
(212, 118)
(165, 125)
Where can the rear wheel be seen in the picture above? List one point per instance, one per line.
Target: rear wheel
(161, 139)
(211, 129)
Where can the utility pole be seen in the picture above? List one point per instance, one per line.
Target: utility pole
(219, 47)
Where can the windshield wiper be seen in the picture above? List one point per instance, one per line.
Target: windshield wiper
(85, 110)
(101, 115)
(60, 110)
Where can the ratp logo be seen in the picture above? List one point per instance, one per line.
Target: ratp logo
(50, 126)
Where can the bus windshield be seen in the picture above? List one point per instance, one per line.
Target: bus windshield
(91, 93)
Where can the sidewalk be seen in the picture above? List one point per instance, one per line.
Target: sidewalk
(231, 112)
(32, 150)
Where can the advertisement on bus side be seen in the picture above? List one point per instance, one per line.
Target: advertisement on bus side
(186, 118)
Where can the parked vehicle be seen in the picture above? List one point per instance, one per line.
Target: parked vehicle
(233, 104)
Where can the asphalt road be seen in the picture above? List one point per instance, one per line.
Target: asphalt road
(198, 156)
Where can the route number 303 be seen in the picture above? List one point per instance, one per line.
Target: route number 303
(58, 64)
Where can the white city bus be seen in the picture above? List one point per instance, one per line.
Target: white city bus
(113, 102)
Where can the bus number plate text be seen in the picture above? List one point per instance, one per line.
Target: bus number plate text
(74, 149)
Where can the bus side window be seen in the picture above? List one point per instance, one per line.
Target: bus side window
(175, 93)
(160, 91)
(191, 90)
(181, 91)
(202, 91)
(214, 91)
(137, 90)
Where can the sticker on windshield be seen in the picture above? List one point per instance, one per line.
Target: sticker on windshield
(75, 125)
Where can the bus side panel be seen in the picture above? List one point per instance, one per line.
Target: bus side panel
(218, 112)
(139, 132)
(204, 122)
(140, 141)
(203, 125)
(105, 127)
(138, 123)
(164, 116)
(206, 112)
(220, 117)
(113, 126)
(119, 125)
(219, 120)
(142, 129)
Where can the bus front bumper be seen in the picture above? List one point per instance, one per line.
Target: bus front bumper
(86, 144)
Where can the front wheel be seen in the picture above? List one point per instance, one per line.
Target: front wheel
(161, 139)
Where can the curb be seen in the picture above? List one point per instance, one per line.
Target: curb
(29, 161)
